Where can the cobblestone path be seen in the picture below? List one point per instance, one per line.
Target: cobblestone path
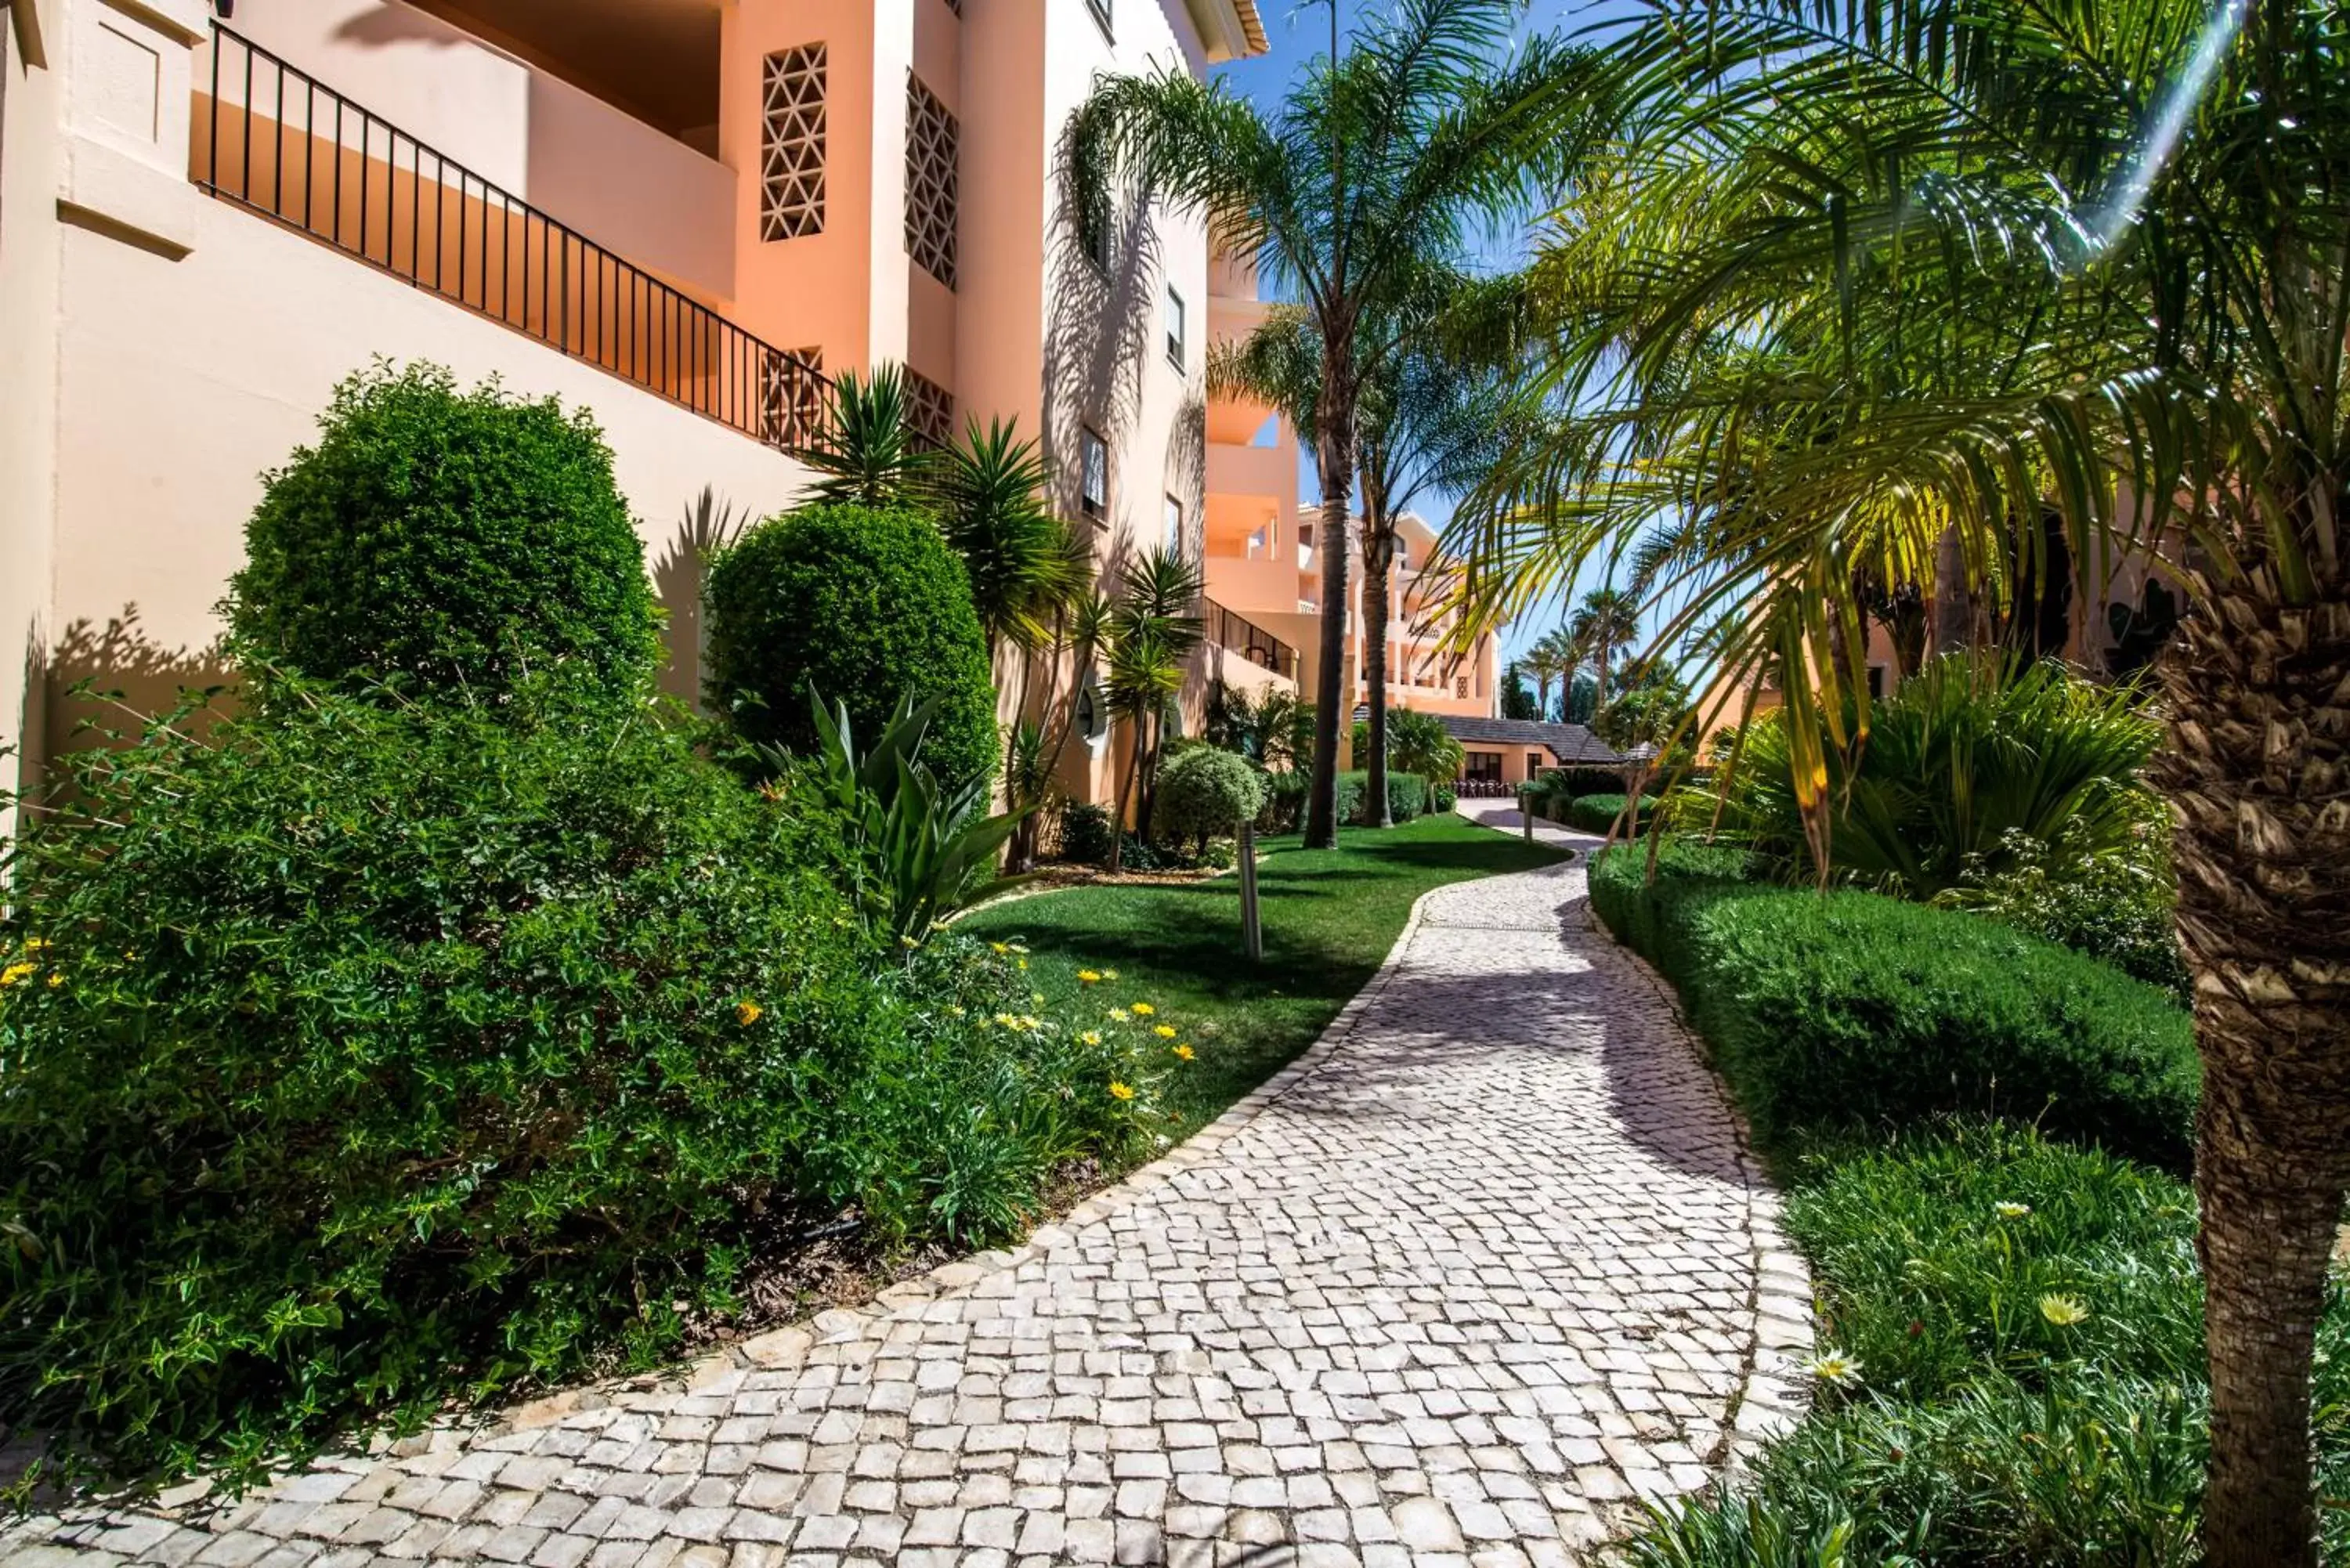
(1485, 1265)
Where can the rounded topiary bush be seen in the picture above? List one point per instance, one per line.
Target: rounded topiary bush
(1204, 791)
(457, 538)
(869, 604)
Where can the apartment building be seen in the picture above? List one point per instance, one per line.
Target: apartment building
(682, 215)
(1264, 563)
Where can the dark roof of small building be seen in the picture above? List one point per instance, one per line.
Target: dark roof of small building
(1572, 744)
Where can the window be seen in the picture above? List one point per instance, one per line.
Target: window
(791, 152)
(1101, 8)
(1876, 682)
(1174, 327)
(1093, 235)
(1093, 476)
(932, 139)
(1174, 540)
(1486, 766)
(1535, 765)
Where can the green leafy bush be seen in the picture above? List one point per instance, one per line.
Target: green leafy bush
(1084, 833)
(2021, 1326)
(1407, 796)
(1284, 802)
(459, 539)
(373, 1053)
(867, 605)
(1964, 760)
(1597, 813)
(1442, 799)
(1851, 1007)
(1205, 793)
(2118, 904)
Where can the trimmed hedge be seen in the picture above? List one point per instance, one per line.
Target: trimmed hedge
(871, 605)
(1407, 796)
(461, 539)
(1849, 1007)
(1597, 813)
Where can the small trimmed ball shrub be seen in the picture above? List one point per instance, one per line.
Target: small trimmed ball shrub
(1204, 793)
(867, 604)
(1084, 833)
(458, 539)
(1825, 1010)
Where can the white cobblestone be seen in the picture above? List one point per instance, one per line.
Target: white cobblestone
(1486, 1265)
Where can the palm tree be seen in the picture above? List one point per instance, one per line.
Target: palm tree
(1149, 629)
(870, 455)
(1427, 418)
(1379, 165)
(1546, 662)
(1861, 280)
(1606, 619)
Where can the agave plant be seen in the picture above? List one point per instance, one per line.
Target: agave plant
(919, 847)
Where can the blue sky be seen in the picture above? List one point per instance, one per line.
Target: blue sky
(1301, 34)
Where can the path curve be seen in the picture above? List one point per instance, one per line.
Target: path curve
(1486, 1265)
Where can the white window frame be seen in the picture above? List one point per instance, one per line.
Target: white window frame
(1172, 523)
(1178, 329)
(1090, 445)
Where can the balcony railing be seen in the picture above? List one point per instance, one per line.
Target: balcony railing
(278, 142)
(1236, 634)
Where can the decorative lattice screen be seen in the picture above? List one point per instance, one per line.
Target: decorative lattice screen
(931, 136)
(930, 408)
(791, 398)
(791, 161)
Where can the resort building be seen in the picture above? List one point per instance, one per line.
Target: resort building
(1264, 563)
(680, 215)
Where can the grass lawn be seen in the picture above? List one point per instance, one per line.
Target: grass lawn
(1330, 917)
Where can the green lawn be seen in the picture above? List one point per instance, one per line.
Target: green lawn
(1330, 917)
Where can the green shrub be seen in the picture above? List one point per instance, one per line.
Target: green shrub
(1442, 798)
(1205, 793)
(455, 538)
(397, 1052)
(2118, 904)
(1284, 801)
(1963, 759)
(1566, 784)
(869, 606)
(1597, 813)
(1347, 796)
(1851, 1007)
(1407, 796)
(1084, 833)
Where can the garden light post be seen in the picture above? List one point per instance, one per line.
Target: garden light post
(1251, 925)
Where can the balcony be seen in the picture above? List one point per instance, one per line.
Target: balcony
(273, 140)
(1235, 634)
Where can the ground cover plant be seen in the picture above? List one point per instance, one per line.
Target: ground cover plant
(1330, 917)
(2010, 1356)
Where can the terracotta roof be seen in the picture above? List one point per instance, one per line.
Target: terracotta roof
(1572, 744)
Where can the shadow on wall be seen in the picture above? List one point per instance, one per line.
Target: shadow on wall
(100, 682)
(705, 528)
(1096, 340)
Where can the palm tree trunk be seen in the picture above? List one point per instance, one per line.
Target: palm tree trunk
(1335, 454)
(1125, 794)
(1378, 555)
(1147, 772)
(1599, 697)
(2258, 767)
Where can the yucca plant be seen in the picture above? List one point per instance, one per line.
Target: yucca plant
(869, 453)
(1862, 293)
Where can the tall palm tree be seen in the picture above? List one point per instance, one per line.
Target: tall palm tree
(870, 454)
(1861, 279)
(1546, 662)
(1384, 161)
(1606, 619)
(1429, 417)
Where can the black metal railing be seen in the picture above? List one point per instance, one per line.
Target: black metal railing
(276, 142)
(1237, 634)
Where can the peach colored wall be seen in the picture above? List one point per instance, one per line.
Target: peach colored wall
(1252, 588)
(617, 180)
(181, 382)
(30, 155)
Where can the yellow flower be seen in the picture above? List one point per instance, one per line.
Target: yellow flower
(1116, 1015)
(1005, 1021)
(1023, 963)
(1088, 976)
(999, 947)
(747, 1012)
(1091, 1037)
(36, 944)
(2063, 1311)
(1834, 1367)
(16, 971)
(1185, 1053)
(1143, 1010)
(1119, 1091)
(1038, 997)
(1028, 1020)
(56, 979)
(1109, 974)
(953, 1010)
(2012, 1211)
(1165, 1031)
